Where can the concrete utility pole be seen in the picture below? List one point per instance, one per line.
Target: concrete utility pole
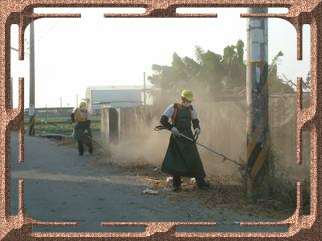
(32, 106)
(258, 141)
(32, 66)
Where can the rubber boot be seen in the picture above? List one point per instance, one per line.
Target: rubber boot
(176, 183)
(80, 148)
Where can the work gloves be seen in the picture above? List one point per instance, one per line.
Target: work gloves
(197, 131)
(175, 131)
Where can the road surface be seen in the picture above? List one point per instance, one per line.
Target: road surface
(62, 186)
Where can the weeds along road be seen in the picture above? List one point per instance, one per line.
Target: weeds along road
(62, 186)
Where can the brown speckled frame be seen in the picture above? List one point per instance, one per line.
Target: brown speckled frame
(301, 227)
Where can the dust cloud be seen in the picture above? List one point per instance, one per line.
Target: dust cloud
(222, 129)
(145, 147)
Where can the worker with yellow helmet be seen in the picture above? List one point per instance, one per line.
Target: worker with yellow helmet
(82, 132)
(182, 157)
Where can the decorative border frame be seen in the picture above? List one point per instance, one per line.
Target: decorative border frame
(301, 227)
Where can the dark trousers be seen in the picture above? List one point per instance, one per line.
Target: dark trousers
(81, 145)
(177, 181)
(32, 126)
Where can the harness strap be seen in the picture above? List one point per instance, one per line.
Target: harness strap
(179, 106)
(81, 116)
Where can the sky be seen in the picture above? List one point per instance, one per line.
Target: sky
(72, 54)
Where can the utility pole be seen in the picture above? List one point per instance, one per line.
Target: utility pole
(258, 141)
(32, 106)
(32, 66)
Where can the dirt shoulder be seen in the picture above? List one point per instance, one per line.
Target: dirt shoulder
(219, 196)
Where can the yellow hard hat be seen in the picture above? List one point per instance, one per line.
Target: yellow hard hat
(187, 94)
(83, 105)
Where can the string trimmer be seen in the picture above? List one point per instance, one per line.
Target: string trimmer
(194, 140)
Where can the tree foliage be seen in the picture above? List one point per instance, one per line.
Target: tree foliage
(212, 74)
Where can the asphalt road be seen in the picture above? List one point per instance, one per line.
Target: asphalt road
(62, 186)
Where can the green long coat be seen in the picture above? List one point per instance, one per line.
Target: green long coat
(182, 156)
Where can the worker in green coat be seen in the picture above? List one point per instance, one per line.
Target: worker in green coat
(82, 131)
(182, 158)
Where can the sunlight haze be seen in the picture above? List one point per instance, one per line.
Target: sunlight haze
(73, 53)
